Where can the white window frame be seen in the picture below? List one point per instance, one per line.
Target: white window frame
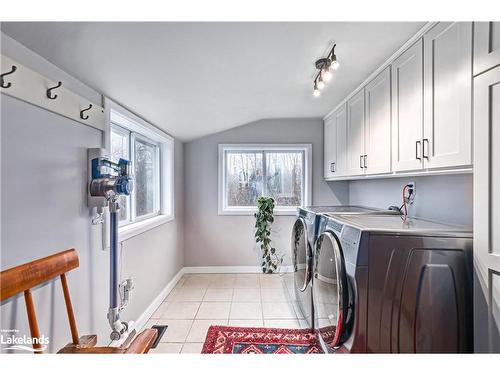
(138, 128)
(223, 208)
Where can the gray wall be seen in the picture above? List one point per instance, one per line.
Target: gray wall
(43, 210)
(213, 240)
(446, 198)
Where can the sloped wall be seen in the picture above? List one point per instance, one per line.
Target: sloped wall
(43, 210)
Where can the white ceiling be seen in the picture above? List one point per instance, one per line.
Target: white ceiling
(193, 79)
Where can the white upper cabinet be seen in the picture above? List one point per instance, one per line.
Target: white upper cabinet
(414, 116)
(356, 134)
(486, 46)
(341, 121)
(378, 124)
(335, 147)
(448, 95)
(330, 147)
(407, 109)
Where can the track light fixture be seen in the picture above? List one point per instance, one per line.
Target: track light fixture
(325, 66)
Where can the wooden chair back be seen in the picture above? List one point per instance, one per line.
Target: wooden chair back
(22, 278)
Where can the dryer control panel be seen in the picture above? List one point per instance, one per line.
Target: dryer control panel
(349, 239)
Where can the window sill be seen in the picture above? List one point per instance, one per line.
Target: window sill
(135, 229)
(251, 212)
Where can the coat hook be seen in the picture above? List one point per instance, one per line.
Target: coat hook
(2, 84)
(49, 90)
(84, 110)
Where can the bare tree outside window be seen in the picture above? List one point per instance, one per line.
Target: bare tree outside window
(250, 174)
(284, 177)
(244, 178)
(145, 177)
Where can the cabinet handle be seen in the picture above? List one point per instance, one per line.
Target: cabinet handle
(417, 152)
(361, 161)
(365, 158)
(332, 167)
(424, 155)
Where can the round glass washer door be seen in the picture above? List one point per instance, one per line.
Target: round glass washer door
(330, 291)
(301, 254)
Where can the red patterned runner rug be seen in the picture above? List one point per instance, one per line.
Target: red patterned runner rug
(241, 340)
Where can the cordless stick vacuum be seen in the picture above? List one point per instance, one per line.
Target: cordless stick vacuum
(111, 180)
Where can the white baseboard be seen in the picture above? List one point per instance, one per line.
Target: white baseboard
(146, 315)
(223, 269)
(231, 269)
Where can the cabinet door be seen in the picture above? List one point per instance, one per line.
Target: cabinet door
(486, 46)
(330, 147)
(378, 124)
(448, 95)
(341, 128)
(356, 134)
(407, 109)
(487, 211)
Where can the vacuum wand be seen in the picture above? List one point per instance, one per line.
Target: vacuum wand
(111, 180)
(118, 327)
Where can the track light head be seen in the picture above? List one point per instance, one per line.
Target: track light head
(335, 64)
(327, 75)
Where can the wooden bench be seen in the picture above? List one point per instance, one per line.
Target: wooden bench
(22, 278)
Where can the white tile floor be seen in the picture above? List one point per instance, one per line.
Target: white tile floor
(199, 301)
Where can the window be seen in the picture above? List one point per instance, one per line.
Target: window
(249, 171)
(151, 154)
(144, 202)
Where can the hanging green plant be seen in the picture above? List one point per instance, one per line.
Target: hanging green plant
(263, 220)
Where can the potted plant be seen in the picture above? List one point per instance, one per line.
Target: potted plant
(263, 220)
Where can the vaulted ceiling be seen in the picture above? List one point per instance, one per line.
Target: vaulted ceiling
(197, 78)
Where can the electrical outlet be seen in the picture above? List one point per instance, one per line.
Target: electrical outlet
(411, 192)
